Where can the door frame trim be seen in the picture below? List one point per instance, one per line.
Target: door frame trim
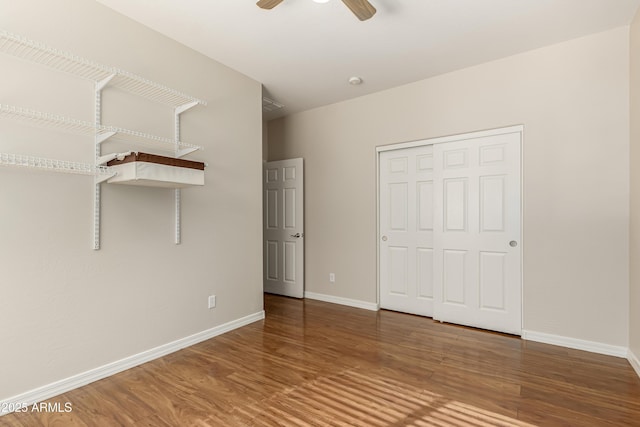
(450, 138)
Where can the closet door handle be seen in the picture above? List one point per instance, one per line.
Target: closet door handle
(297, 235)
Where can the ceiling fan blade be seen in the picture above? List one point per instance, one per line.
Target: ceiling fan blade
(361, 8)
(268, 4)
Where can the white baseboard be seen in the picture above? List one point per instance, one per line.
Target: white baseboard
(592, 346)
(54, 389)
(635, 362)
(343, 301)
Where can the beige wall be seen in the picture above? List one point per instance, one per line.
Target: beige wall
(573, 101)
(64, 308)
(634, 255)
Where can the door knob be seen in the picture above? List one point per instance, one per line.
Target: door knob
(297, 235)
(513, 243)
(384, 238)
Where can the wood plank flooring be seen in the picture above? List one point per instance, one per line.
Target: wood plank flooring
(311, 363)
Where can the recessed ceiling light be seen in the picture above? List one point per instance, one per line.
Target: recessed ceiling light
(321, 1)
(355, 81)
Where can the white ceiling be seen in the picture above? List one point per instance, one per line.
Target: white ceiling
(304, 53)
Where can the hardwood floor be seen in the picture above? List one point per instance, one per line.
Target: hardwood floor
(319, 364)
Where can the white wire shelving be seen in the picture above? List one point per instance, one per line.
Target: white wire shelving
(30, 50)
(66, 124)
(53, 165)
(102, 77)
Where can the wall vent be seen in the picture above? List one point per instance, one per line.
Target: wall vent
(269, 105)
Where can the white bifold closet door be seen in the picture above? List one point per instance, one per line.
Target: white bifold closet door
(477, 262)
(406, 229)
(460, 260)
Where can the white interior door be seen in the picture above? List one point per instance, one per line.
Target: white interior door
(406, 230)
(477, 233)
(284, 228)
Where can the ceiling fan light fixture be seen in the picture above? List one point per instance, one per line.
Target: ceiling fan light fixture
(361, 8)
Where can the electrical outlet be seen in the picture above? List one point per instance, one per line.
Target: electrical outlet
(212, 301)
(332, 277)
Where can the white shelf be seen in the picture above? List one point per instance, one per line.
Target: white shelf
(145, 138)
(46, 120)
(52, 165)
(53, 121)
(39, 53)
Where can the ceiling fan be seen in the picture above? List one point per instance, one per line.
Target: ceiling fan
(361, 8)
